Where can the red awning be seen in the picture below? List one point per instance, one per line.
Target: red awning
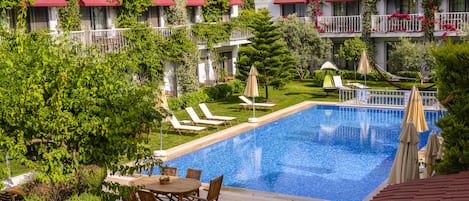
(195, 2)
(100, 3)
(164, 2)
(236, 2)
(49, 3)
(290, 1)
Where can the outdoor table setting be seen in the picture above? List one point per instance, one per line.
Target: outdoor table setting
(177, 186)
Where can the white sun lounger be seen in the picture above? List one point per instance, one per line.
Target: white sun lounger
(338, 82)
(209, 114)
(178, 127)
(248, 103)
(196, 120)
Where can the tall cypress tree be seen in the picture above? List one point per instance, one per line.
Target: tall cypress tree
(267, 52)
(453, 79)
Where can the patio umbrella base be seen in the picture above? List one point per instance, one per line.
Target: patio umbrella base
(253, 120)
(160, 153)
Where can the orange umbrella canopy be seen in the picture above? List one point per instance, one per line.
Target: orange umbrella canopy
(414, 111)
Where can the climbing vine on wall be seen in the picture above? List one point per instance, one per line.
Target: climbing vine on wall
(429, 9)
(130, 11)
(21, 11)
(214, 10)
(177, 15)
(69, 16)
(315, 13)
(369, 9)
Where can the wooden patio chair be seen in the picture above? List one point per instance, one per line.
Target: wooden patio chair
(194, 174)
(169, 171)
(213, 190)
(146, 196)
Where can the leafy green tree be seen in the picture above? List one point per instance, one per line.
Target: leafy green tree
(409, 56)
(68, 108)
(452, 61)
(351, 50)
(146, 53)
(267, 52)
(305, 44)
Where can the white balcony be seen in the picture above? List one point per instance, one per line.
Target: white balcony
(110, 40)
(339, 25)
(397, 25)
(451, 23)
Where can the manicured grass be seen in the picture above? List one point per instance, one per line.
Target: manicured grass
(295, 92)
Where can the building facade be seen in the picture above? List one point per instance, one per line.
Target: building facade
(98, 27)
(340, 20)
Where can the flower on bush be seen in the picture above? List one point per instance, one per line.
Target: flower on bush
(399, 16)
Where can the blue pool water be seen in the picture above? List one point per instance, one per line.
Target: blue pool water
(326, 152)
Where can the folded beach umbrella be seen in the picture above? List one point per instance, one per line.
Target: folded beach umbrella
(251, 90)
(414, 111)
(405, 166)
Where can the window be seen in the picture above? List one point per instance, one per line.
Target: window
(98, 18)
(227, 63)
(143, 18)
(298, 9)
(459, 6)
(346, 8)
(401, 6)
(191, 14)
(38, 18)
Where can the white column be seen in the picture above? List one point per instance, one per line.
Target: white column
(53, 19)
(198, 14)
(235, 58)
(161, 20)
(234, 11)
(111, 15)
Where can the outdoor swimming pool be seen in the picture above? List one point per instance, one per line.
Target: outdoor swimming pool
(326, 152)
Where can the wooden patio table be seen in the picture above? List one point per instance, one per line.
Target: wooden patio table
(177, 186)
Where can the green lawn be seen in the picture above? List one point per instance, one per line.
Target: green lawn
(295, 92)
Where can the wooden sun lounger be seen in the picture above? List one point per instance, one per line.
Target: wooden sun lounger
(178, 127)
(248, 103)
(209, 114)
(196, 120)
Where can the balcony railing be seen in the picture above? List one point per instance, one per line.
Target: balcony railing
(397, 23)
(451, 21)
(340, 24)
(110, 40)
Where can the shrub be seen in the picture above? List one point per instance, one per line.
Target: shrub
(187, 100)
(318, 78)
(219, 91)
(348, 74)
(237, 86)
(84, 197)
(175, 103)
(410, 74)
